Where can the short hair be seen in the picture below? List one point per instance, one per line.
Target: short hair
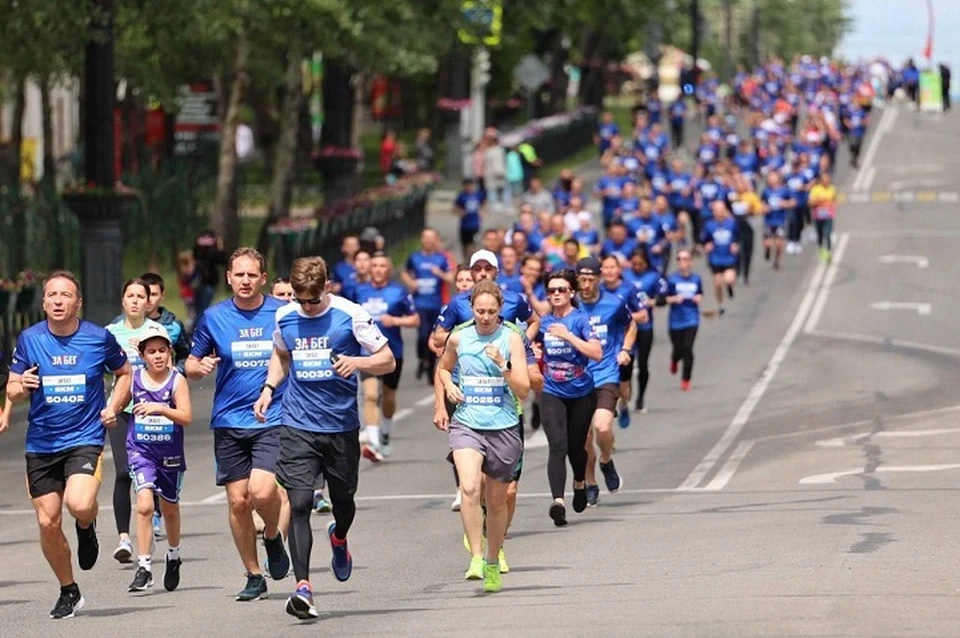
(153, 279)
(279, 280)
(572, 240)
(64, 274)
(380, 253)
(135, 281)
(309, 275)
(249, 253)
(486, 287)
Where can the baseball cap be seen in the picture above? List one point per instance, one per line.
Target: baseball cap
(588, 266)
(484, 255)
(153, 331)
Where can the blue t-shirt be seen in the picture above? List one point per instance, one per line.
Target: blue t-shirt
(471, 203)
(775, 198)
(722, 235)
(649, 285)
(679, 182)
(65, 410)
(242, 340)
(606, 133)
(515, 309)
(344, 274)
(610, 319)
(565, 368)
(429, 285)
(317, 398)
(611, 188)
(622, 251)
(392, 299)
(510, 282)
(685, 314)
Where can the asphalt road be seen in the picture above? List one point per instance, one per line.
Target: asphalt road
(803, 487)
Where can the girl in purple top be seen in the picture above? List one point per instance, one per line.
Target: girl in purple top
(155, 452)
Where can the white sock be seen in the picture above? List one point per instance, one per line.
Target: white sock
(373, 435)
(144, 561)
(173, 553)
(385, 424)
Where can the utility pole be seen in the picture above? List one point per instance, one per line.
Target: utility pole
(695, 25)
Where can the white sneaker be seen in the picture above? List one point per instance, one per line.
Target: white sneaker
(371, 453)
(124, 552)
(455, 506)
(385, 448)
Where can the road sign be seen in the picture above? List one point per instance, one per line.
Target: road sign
(484, 22)
(531, 73)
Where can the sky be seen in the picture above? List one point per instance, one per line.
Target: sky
(897, 30)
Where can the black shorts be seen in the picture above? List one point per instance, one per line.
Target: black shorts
(239, 451)
(626, 371)
(468, 236)
(774, 232)
(306, 455)
(48, 473)
(608, 395)
(719, 270)
(392, 379)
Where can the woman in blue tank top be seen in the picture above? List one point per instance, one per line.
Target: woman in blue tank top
(568, 399)
(483, 429)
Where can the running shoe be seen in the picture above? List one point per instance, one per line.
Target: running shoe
(341, 562)
(593, 495)
(320, 504)
(483, 543)
(639, 406)
(492, 583)
(88, 547)
(623, 419)
(385, 448)
(300, 603)
(611, 477)
(142, 580)
(673, 367)
(685, 385)
(721, 311)
(157, 527)
(455, 505)
(370, 453)
(558, 513)
(502, 562)
(256, 588)
(579, 499)
(475, 571)
(124, 551)
(278, 562)
(171, 572)
(766, 254)
(69, 602)
(730, 291)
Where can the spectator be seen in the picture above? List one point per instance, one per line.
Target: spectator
(538, 197)
(495, 171)
(209, 258)
(186, 278)
(423, 152)
(531, 163)
(514, 175)
(388, 148)
(945, 85)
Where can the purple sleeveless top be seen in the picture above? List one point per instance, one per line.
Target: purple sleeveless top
(156, 437)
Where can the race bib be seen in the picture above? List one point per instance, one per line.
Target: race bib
(67, 388)
(152, 429)
(251, 354)
(312, 365)
(427, 286)
(482, 390)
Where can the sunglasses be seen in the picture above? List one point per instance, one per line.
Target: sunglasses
(559, 289)
(316, 301)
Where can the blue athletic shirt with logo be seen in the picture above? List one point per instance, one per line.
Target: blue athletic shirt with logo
(429, 286)
(317, 398)
(565, 372)
(488, 403)
(243, 341)
(65, 409)
(392, 299)
(610, 319)
(471, 203)
(687, 313)
(722, 235)
(649, 285)
(344, 273)
(775, 198)
(515, 309)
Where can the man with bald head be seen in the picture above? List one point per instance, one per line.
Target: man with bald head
(425, 273)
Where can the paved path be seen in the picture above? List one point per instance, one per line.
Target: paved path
(805, 486)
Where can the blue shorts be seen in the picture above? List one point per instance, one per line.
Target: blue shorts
(147, 473)
(239, 451)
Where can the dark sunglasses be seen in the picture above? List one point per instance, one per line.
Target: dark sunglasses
(561, 289)
(309, 302)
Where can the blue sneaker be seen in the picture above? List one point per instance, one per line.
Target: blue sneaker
(593, 495)
(610, 476)
(157, 527)
(300, 604)
(278, 562)
(623, 420)
(342, 562)
(320, 504)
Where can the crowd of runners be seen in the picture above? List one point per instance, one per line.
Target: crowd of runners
(541, 327)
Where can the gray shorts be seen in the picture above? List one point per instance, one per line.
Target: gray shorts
(501, 449)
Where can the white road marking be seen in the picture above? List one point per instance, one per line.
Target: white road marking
(219, 497)
(537, 440)
(952, 198)
(884, 341)
(401, 414)
(869, 175)
(730, 467)
(886, 123)
(425, 401)
(920, 307)
(831, 275)
(831, 477)
(921, 262)
(844, 441)
(759, 388)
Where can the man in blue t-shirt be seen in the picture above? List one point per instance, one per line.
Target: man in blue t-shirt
(425, 274)
(320, 343)
(233, 338)
(392, 308)
(469, 206)
(59, 365)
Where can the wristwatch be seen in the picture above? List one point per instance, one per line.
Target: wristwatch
(267, 385)
(508, 366)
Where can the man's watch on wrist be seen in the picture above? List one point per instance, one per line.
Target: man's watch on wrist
(268, 386)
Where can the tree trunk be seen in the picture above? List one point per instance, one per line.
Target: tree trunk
(285, 159)
(224, 219)
(16, 133)
(558, 75)
(591, 73)
(49, 159)
(339, 174)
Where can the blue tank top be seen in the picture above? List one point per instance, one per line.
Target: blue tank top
(488, 403)
(156, 437)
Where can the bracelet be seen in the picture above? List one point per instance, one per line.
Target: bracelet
(267, 385)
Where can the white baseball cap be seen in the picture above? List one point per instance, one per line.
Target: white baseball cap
(153, 331)
(484, 255)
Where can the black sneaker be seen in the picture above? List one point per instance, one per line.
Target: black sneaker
(256, 588)
(611, 477)
(278, 562)
(69, 602)
(593, 495)
(88, 547)
(579, 499)
(730, 291)
(171, 573)
(558, 513)
(142, 580)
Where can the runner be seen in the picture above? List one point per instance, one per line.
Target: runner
(684, 293)
(58, 364)
(133, 323)
(392, 307)
(281, 289)
(344, 274)
(233, 339)
(649, 284)
(823, 203)
(425, 273)
(170, 322)
(614, 326)
(614, 283)
(318, 343)
(776, 205)
(568, 399)
(484, 429)
(155, 448)
(721, 241)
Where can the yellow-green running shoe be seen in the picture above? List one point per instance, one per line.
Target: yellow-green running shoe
(502, 560)
(476, 569)
(491, 578)
(466, 544)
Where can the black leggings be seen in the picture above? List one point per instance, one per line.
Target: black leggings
(300, 536)
(566, 423)
(683, 349)
(746, 247)
(427, 319)
(122, 483)
(644, 345)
